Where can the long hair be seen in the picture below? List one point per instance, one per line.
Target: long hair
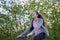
(39, 16)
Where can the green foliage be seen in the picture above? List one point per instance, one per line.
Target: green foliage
(19, 17)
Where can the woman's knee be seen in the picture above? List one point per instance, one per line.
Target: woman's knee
(39, 37)
(35, 38)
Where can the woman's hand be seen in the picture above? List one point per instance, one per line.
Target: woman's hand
(29, 34)
(19, 36)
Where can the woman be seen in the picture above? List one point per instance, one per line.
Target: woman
(36, 27)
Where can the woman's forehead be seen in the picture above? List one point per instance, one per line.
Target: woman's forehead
(33, 12)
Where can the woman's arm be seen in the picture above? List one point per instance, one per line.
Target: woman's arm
(35, 29)
(25, 32)
(46, 30)
(29, 34)
(38, 26)
(28, 29)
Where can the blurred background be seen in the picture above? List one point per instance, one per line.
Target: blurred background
(15, 17)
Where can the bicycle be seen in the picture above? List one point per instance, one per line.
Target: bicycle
(22, 37)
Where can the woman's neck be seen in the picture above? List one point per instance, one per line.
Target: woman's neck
(35, 19)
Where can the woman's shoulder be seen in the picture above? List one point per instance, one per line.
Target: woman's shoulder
(40, 19)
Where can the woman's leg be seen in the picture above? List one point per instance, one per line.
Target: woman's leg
(40, 36)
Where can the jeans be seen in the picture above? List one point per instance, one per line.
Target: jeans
(40, 36)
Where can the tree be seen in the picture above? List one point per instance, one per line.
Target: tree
(19, 17)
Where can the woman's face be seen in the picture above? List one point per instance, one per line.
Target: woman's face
(34, 15)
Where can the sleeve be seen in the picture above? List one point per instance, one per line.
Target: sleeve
(27, 29)
(46, 31)
(38, 26)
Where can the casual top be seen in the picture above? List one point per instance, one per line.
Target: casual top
(37, 31)
(38, 26)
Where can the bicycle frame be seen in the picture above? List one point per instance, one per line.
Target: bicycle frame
(22, 38)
